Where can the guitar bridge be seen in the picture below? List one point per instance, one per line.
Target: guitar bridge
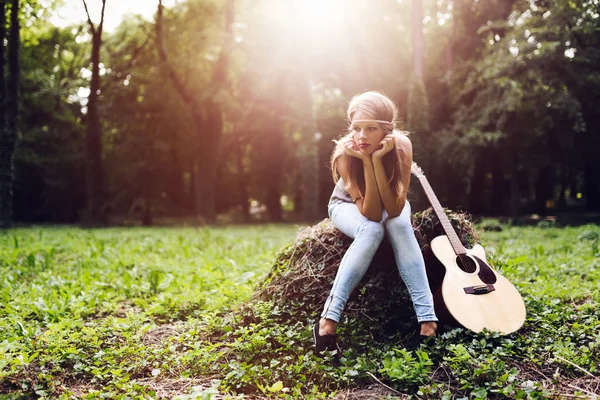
(479, 289)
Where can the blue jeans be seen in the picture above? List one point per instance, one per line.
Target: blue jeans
(367, 236)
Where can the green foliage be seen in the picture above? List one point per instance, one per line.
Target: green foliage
(49, 158)
(508, 87)
(80, 304)
(116, 313)
(406, 369)
(518, 90)
(418, 106)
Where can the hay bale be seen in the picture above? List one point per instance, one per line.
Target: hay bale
(304, 271)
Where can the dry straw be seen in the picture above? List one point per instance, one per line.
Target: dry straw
(304, 271)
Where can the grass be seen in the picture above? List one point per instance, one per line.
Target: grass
(149, 312)
(75, 304)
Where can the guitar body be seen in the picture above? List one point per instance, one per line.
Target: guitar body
(477, 297)
(474, 295)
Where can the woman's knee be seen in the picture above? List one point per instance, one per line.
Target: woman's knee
(399, 224)
(373, 230)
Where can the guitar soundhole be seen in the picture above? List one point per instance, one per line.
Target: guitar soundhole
(485, 272)
(466, 264)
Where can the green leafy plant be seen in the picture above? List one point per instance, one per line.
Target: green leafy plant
(120, 313)
(406, 368)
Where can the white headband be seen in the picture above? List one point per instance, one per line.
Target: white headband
(373, 120)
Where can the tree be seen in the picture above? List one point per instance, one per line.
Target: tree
(500, 126)
(206, 112)
(418, 104)
(10, 115)
(4, 150)
(50, 158)
(141, 140)
(94, 169)
(524, 113)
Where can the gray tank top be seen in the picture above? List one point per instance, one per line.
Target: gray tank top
(340, 194)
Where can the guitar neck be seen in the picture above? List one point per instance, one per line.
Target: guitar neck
(439, 211)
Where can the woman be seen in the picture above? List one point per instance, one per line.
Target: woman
(371, 167)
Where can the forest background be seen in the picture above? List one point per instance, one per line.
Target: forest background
(226, 110)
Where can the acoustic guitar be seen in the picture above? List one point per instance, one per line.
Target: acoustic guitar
(475, 295)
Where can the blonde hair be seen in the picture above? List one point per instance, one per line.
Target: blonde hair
(378, 107)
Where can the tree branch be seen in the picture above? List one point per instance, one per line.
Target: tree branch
(136, 52)
(102, 17)
(134, 56)
(91, 24)
(127, 50)
(185, 95)
(220, 71)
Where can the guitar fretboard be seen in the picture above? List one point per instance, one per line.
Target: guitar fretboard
(439, 211)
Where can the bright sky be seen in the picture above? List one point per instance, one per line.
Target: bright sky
(74, 12)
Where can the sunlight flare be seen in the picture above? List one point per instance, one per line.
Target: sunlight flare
(308, 16)
(317, 14)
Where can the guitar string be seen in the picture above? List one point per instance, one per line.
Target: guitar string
(462, 257)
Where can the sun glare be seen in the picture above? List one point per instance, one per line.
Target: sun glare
(73, 11)
(307, 16)
(317, 14)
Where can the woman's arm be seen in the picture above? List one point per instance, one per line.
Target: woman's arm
(393, 204)
(370, 205)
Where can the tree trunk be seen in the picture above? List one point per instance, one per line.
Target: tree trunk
(299, 194)
(310, 167)
(418, 105)
(3, 113)
(498, 184)
(561, 202)
(207, 161)
(514, 185)
(146, 211)
(210, 130)
(215, 119)
(591, 186)
(274, 173)
(94, 170)
(418, 41)
(242, 185)
(10, 132)
(450, 46)
(177, 192)
(477, 189)
(2, 65)
(544, 189)
(191, 193)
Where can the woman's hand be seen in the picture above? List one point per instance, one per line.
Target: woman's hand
(352, 150)
(387, 144)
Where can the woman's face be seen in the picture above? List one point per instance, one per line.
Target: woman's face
(367, 133)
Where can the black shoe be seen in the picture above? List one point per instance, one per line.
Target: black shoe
(423, 339)
(416, 341)
(325, 343)
(427, 340)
